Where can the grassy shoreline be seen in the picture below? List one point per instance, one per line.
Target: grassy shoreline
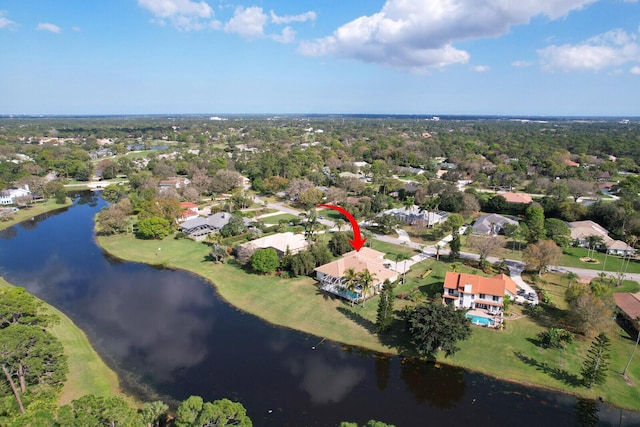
(34, 210)
(88, 374)
(299, 304)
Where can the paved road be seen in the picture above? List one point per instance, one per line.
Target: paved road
(515, 267)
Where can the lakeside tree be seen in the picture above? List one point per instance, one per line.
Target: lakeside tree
(30, 357)
(588, 313)
(435, 327)
(153, 412)
(93, 410)
(265, 260)
(195, 412)
(153, 228)
(384, 315)
(541, 255)
(594, 368)
(19, 307)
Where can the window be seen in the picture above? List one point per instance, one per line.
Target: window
(495, 298)
(482, 296)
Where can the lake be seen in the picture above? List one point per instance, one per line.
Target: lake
(169, 336)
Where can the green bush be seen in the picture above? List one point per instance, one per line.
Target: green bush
(555, 338)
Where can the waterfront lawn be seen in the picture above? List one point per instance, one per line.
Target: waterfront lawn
(88, 374)
(296, 302)
(571, 258)
(33, 210)
(512, 354)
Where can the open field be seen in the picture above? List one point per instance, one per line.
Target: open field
(275, 219)
(571, 258)
(512, 354)
(34, 210)
(88, 374)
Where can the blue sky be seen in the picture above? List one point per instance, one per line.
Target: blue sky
(505, 57)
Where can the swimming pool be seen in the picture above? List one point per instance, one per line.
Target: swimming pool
(480, 320)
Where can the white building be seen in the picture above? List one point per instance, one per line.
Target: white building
(8, 197)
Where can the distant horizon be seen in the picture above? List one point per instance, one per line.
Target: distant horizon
(426, 117)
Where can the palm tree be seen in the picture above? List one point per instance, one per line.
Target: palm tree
(438, 247)
(402, 256)
(408, 203)
(602, 275)
(340, 223)
(218, 252)
(366, 279)
(350, 278)
(624, 372)
(571, 276)
(429, 206)
(632, 242)
(592, 242)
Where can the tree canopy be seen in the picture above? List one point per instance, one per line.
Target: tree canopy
(435, 327)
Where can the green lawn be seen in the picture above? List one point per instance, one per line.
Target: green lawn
(33, 210)
(275, 219)
(298, 303)
(88, 374)
(571, 258)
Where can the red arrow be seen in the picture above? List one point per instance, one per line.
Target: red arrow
(357, 241)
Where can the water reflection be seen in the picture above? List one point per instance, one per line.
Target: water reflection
(324, 381)
(8, 233)
(442, 388)
(170, 331)
(586, 413)
(383, 371)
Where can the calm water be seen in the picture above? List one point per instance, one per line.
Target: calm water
(170, 336)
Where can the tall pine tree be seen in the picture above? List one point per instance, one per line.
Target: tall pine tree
(385, 308)
(594, 368)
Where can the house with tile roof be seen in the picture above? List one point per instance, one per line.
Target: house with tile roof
(280, 242)
(629, 306)
(516, 197)
(618, 247)
(198, 228)
(492, 224)
(413, 216)
(581, 230)
(176, 182)
(470, 291)
(331, 275)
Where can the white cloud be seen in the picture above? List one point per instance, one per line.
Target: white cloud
(635, 70)
(613, 48)
(287, 36)
(521, 64)
(6, 22)
(287, 19)
(480, 68)
(77, 29)
(419, 34)
(45, 26)
(247, 22)
(185, 15)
